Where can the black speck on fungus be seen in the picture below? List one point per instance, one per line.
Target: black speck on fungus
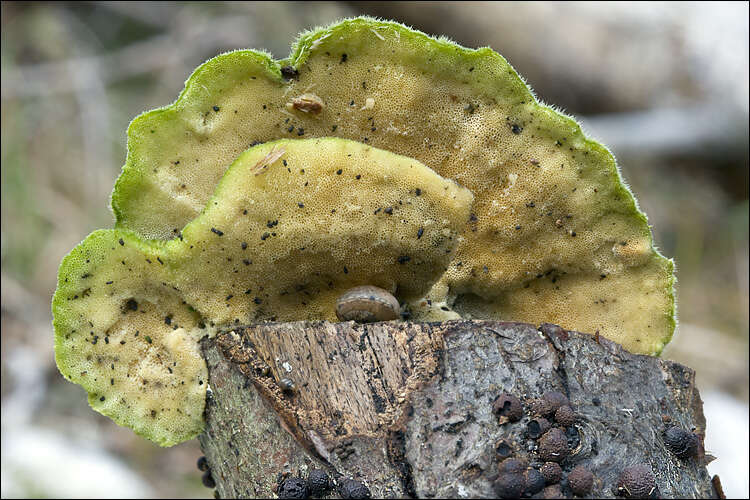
(289, 72)
(349, 488)
(318, 482)
(507, 408)
(681, 442)
(553, 446)
(552, 472)
(202, 464)
(581, 480)
(637, 481)
(293, 487)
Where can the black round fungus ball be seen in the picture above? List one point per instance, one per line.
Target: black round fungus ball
(509, 485)
(318, 482)
(537, 427)
(503, 450)
(637, 481)
(508, 408)
(553, 446)
(533, 482)
(293, 487)
(541, 407)
(202, 464)
(681, 442)
(552, 472)
(565, 416)
(512, 466)
(556, 399)
(208, 480)
(581, 480)
(349, 488)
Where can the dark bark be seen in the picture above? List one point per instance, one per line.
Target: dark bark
(406, 408)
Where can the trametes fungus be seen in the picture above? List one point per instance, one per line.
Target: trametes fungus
(553, 234)
(282, 245)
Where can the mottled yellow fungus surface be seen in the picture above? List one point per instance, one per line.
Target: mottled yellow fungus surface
(292, 225)
(124, 334)
(555, 235)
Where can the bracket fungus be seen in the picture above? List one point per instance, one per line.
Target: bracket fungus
(128, 312)
(387, 158)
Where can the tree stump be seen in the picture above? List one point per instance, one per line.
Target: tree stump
(407, 408)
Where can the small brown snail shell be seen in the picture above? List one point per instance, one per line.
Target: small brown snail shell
(366, 304)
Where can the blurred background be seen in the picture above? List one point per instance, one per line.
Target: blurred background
(664, 85)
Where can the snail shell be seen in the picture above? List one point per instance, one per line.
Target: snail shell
(366, 304)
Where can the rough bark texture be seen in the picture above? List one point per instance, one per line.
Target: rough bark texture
(406, 408)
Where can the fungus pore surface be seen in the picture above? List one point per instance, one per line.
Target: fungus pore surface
(554, 236)
(292, 225)
(377, 156)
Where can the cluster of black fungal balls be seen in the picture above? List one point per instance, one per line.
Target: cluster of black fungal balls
(207, 479)
(318, 484)
(515, 477)
(552, 427)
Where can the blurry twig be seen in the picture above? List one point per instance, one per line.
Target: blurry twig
(157, 53)
(18, 300)
(94, 118)
(150, 13)
(699, 130)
